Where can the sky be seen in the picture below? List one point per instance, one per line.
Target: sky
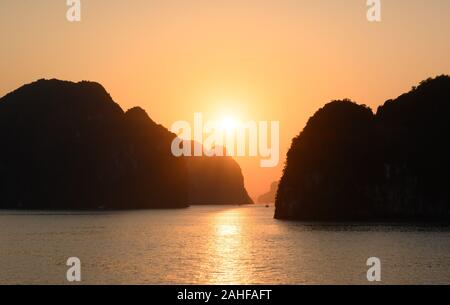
(252, 60)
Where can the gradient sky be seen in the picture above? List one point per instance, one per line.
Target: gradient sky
(251, 59)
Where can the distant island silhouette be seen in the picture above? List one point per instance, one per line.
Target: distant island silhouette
(69, 146)
(351, 164)
(217, 180)
(270, 196)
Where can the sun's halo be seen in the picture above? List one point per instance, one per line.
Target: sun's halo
(229, 124)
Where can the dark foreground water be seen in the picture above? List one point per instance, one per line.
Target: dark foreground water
(214, 245)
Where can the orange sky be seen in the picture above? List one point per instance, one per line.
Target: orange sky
(252, 59)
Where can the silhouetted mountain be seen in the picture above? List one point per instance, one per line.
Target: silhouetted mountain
(269, 197)
(349, 164)
(69, 146)
(215, 180)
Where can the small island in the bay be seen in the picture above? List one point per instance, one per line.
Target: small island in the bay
(69, 146)
(216, 180)
(351, 164)
(269, 197)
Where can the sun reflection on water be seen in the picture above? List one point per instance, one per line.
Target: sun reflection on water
(227, 248)
(226, 230)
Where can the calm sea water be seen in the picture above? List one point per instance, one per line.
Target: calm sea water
(214, 245)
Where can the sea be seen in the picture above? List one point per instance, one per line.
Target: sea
(215, 245)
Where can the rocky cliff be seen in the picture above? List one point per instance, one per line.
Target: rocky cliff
(216, 180)
(351, 164)
(70, 146)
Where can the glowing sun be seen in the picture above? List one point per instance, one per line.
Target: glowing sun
(229, 124)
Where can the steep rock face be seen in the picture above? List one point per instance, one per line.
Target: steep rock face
(328, 164)
(348, 164)
(216, 180)
(156, 176)
(414, 132)
(69, 146)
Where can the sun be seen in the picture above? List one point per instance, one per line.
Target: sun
(229, 124)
